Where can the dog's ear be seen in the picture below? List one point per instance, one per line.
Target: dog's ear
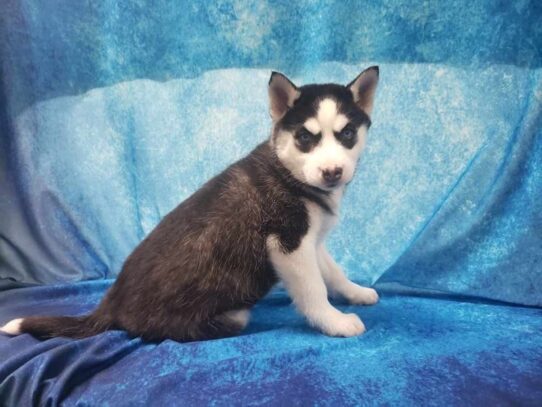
(363, 88)
(282, 94)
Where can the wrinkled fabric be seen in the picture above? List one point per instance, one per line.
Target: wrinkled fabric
(113, 113)
(417, 351)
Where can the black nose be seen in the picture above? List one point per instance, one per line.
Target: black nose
(332, 175)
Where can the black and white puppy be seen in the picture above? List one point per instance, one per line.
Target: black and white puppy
(265, 218)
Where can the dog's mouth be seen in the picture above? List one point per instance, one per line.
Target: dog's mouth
(330, 186)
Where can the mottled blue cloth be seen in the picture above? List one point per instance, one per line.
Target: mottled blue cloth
(111, 113)
(417, 351)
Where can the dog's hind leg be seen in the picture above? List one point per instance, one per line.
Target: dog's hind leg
(229, 323)
(239, 317)
(223, 325)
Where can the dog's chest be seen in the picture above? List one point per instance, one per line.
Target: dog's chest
(322, 221)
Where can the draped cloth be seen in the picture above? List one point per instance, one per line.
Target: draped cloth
(113, 113)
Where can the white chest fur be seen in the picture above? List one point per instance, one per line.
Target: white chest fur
(320, 220)
(306, 271)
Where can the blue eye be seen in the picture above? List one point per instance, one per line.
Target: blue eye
(305, 137)
(347, 134)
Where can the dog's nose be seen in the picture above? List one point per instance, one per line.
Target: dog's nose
(332, 175)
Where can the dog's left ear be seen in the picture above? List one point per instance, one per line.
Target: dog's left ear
(282, 94)
(363, 88)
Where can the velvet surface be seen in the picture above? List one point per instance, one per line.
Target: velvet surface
(111, 113)
(417, 351)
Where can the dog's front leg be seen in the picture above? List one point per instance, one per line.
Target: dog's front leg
(339, 284)
(300, 272)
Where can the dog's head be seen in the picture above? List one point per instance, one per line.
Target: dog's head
(319, 130)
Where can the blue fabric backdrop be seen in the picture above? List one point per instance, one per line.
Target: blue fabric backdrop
(111, 113)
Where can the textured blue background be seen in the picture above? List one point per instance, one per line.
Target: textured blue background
(112, 113)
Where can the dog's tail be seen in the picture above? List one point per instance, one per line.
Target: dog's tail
(49, 327)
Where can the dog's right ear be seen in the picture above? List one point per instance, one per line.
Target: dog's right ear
(282, 94)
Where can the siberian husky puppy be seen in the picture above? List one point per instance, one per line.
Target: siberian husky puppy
(263, 219)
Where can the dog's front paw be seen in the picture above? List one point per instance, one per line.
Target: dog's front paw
(345, 325)
(357, 294)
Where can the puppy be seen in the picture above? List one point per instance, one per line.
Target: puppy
(265, 218)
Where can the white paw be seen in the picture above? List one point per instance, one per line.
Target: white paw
(345, 325)
(239, 317)
(357, 294)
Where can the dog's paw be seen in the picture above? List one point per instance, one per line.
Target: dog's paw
(357, 294)
(345, 325)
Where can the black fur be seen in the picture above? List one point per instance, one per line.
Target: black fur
(206, 257)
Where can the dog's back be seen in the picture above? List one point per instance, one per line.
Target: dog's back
(208, 261)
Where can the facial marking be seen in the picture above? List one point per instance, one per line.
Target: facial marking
(329, 117)
(306, 140)
(327, 112)
(312, 125)
(340, 121)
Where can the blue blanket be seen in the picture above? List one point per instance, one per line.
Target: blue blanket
(417, 351)
(113, 113)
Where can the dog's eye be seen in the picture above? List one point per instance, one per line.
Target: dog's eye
(305, 140)
(347, 134)
(305, 136)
